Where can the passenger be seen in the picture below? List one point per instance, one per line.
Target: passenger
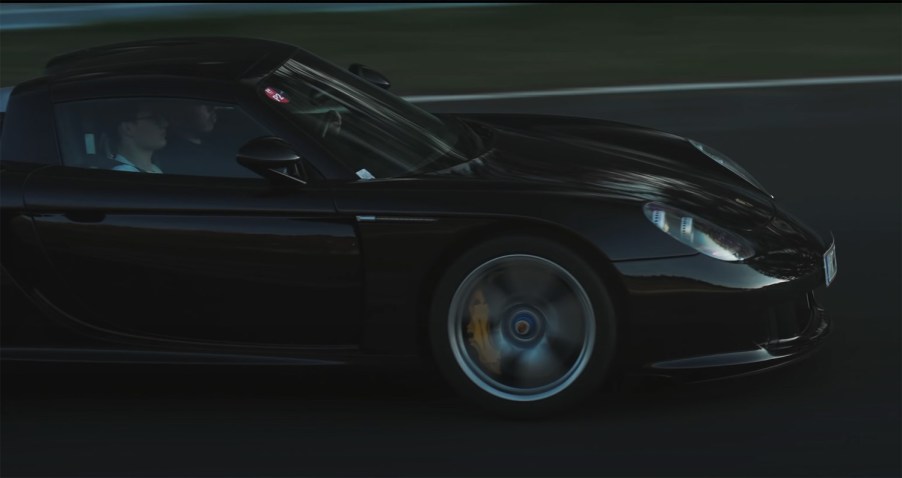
(188, 151)
(134, 132)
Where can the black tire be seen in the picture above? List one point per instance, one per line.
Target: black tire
(522, 326)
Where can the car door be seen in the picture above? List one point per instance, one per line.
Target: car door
(213, 258)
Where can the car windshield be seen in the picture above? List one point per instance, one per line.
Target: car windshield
(373, 132)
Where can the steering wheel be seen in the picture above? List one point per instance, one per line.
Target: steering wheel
(332, 123)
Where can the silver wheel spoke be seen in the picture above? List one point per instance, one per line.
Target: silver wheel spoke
(564, 303)
(525, 281)
(540, 364)
(563, 346)
(568, 328)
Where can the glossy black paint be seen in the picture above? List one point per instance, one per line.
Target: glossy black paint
(344, 268)
(195, 259)
(208, 57)
(272, 159)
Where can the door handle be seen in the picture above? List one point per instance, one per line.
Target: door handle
(85, 216)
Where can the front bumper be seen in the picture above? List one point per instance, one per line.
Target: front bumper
(793, 334)
(696, 318)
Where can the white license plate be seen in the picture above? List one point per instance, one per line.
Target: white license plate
(830, 264)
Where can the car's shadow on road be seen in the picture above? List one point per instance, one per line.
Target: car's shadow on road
(375, 391)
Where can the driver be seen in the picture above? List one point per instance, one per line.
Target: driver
(189, 150)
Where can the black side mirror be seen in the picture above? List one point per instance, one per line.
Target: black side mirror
(370, 75)
(274, 159)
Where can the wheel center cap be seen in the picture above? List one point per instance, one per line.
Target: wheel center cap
(524, 325)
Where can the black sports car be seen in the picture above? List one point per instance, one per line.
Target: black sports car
(223, 200)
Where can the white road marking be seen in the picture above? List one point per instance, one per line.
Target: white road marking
(615, 90)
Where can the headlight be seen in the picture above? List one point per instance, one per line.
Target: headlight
(698, 233)
(728, 163)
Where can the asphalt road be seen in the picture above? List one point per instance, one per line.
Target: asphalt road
(832, 155)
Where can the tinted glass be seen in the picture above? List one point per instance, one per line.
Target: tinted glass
(370, 130)
(154, 135)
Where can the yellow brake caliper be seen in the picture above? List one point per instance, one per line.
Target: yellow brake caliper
(478, 329)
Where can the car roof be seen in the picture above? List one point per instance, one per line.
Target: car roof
(207, 57)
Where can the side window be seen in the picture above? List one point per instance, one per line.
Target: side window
(156, 135)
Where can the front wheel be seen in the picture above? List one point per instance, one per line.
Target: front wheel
(522, 326)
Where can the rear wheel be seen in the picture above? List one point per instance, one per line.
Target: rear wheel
(522, 326)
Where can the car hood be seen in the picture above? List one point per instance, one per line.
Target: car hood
(617, 161)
